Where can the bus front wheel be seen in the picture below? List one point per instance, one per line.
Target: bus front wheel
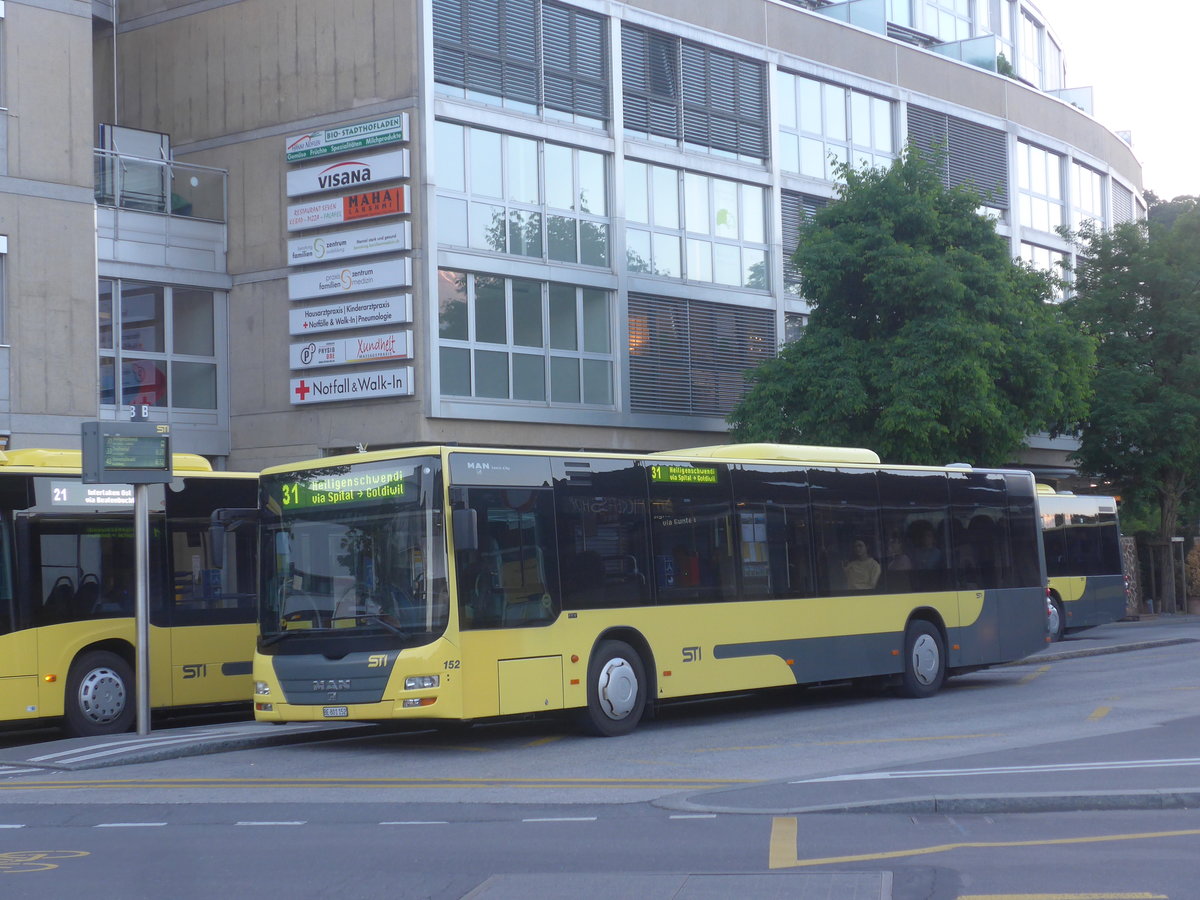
(924, 660)
(616, 690)
(99, 697)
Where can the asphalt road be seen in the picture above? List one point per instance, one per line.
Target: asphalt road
(1072, 774)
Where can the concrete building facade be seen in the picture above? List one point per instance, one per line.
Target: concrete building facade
(295, 228)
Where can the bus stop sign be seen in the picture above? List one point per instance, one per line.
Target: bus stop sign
(126, 453)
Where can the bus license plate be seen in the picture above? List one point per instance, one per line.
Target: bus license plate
(335, 712)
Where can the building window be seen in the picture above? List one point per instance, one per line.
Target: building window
(1040, 175)
(695, 227)
(541, 343)
(3, 286)
(1087, 197)
(822, 124)
(522, 197)
(1122, 204)
(793, 326)
(948, 20)
(1046, 260)
(157, 345)
(1031, 50)
(527, 55)
(796, 209)
(970, 154)
(690, 357)
(684, 92)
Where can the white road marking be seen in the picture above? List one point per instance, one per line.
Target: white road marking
(414, 823)
(130, 825)
(272, 823)
(564, 819)
(1008, 770)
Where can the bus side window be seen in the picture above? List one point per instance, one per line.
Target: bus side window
(512, 579)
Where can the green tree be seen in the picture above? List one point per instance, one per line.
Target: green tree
(926, 342)
(1137, 290)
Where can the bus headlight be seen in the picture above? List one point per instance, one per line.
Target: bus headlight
(422, 682)
(261, 687)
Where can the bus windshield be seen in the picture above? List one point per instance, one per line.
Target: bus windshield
(353, 549)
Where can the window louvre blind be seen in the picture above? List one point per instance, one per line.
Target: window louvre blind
(974, 154)
(795, 209)
(1122, 203)
(689, 357)
(523, 50)
(681, 90)
(574, 61)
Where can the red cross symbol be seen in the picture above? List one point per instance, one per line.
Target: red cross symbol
(303, 390)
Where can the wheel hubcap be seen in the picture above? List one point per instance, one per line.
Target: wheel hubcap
(617, 688)
(925, 660)
(1052, 620)
(102, 696)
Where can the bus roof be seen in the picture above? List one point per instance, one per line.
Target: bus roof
(72, 460)
(786, 452)
(761, 452)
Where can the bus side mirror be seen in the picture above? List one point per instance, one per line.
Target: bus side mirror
(221, 521)
(466, 529)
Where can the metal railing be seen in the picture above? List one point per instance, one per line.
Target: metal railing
(160, 186)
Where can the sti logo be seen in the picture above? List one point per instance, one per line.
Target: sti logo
(377, 661)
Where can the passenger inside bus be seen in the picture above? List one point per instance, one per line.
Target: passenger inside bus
(862, 570)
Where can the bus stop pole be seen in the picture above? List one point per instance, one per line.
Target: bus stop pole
(141, 540)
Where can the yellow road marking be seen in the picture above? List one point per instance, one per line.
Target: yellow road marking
(784, 855)
(542, 742)
(17, 862)
(1037, 673)
(1099, 713)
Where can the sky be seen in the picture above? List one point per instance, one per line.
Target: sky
(1140, 58)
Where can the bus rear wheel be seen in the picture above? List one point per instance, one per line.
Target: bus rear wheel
(99, 698)
(1056, 621)
(924, 660)
(616, 688)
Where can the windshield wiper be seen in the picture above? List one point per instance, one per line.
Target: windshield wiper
(376, 618)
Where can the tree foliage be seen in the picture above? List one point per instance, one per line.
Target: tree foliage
(926, 342)
(1137, 291)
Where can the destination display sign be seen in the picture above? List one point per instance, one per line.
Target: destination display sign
(397, 382)
(387, 273)
(348, 138)
(351, 314)
(76, 494)
(348, 244)
(358, 172)
(393, 345)
(683, 474)
(351, 487)
(354, 207)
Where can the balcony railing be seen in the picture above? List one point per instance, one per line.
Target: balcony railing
(160, 186)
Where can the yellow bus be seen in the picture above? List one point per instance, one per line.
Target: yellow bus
(458, 583)
(67, 583)
(1087, 583)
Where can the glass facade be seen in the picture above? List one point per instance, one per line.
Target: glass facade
(1040, 180)
(694, 227)
(524, 340)
(823, 124)
(158, 345)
